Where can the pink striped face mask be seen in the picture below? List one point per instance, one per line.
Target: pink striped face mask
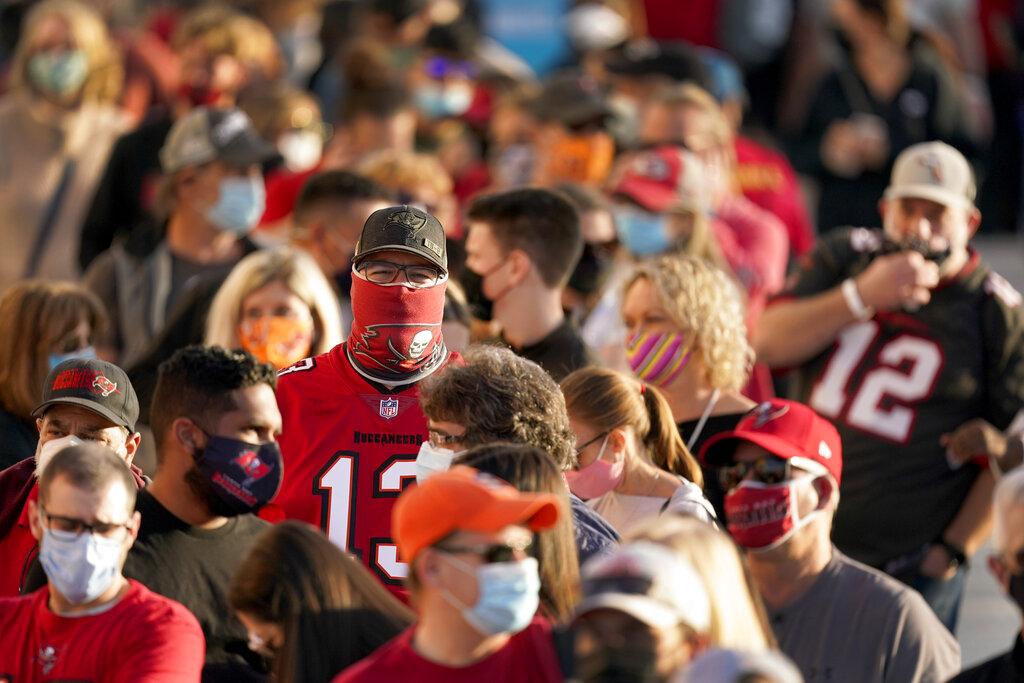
(657, 358)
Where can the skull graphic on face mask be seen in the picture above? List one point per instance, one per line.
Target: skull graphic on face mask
(419, 343)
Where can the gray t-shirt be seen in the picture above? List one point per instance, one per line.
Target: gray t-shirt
(856, 624)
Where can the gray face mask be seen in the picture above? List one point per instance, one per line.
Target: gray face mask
(81, 567)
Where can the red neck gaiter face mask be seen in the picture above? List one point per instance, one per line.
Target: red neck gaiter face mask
(396, 331)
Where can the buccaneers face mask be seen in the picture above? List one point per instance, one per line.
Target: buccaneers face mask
(764, 516)
(396, 331)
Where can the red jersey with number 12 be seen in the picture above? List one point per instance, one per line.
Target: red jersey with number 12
(348, 450)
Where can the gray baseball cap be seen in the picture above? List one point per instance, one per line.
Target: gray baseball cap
(404, 228)
(204, 135)
(935, 171)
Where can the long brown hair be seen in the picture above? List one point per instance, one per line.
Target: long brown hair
(37, 315)
(295, 577)
(606, 399)
(531, 470)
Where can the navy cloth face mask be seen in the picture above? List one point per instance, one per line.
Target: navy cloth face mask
(244, 476)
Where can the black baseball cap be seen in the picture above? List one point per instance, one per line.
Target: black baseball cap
(404, 228)
(206, 134)
(93, 384)
(675, 60)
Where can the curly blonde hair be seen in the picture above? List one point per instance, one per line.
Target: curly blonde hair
(702, 300)
(106, 69)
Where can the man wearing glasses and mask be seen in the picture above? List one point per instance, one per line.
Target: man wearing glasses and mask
(91, 622)
(837, 619)
(352, 420)
(467, 537)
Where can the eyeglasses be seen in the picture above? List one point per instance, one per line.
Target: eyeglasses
(385, 272)
(75, 527)
(499, 552)
(767, 470)
(580, 449)
(442, 439)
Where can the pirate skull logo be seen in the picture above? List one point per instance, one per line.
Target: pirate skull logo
(419, 343)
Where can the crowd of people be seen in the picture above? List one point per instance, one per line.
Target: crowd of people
(349, 340)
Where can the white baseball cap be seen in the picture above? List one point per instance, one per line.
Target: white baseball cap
(649, 583)
(935, 171)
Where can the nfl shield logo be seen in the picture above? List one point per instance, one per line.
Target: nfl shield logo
(388, 408)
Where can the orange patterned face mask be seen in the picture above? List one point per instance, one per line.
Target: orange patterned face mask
(278, 340)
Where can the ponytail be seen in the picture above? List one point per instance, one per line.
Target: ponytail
(663, 442)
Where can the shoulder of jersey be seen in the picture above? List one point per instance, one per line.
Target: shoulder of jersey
(998, 287)
(861, 240)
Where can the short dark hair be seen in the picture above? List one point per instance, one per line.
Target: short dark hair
(379, 101)
(514, 400)
(340, 187)
(540, 222)
(91, 467)
(197, 381)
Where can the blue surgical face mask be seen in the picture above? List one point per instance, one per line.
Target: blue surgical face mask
(240, 203)
(58, 73)
(81, 567)
(643, 233)
(86, 353)
(508, 595)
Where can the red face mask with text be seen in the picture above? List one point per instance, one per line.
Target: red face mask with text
(764, 516)
(396, 331)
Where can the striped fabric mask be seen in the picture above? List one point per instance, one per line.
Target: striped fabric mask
(657, 358)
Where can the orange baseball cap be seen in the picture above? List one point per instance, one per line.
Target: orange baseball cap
(464, 499)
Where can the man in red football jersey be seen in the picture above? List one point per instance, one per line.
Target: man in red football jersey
(352, 420)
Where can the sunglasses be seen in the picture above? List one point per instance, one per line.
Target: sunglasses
(491, 554)
(767, 470)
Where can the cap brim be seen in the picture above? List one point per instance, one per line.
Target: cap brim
(81, 402)
(720, 449)
(246, 150)
(930, 192)
(651, 196)
(640, 607)
(398, 247)
(538, 512)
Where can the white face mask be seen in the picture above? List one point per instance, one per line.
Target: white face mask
(432, 460)
(81, 567)
(301, 149)
(51, 448)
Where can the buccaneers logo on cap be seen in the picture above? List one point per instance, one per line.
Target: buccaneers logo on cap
(104, 386)
(408, 218)
(766, 412)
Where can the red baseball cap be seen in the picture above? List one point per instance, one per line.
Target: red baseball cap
(787, 429)
(663, 178)
(464, 499)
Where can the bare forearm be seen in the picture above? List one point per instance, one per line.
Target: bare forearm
(791, 332)
(973, 523)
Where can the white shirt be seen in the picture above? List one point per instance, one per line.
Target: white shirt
(625, 512)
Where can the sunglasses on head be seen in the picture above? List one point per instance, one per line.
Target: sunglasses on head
(768, 469)
(491, 553)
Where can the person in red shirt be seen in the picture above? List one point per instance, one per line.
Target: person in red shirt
(351, 416)
(466, 536)
(83, 400)
(91, 623)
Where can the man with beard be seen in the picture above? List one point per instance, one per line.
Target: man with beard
(215, 422)
(352, 420)
(906, 339)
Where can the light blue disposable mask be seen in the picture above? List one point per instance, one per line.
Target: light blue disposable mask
(58, 73)
(643, 233)
(508, 595)
(86, 353)
(240, 203)
(81, 567)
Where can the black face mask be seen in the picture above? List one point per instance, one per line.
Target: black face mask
(236, 477)
(592, 269)
(938, 257)
(480, 307)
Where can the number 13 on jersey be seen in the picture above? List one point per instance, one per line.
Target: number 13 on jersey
(336, 485)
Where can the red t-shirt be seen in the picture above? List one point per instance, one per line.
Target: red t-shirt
(348, 450)
(144, 637)
(17, 549)
(528, 656)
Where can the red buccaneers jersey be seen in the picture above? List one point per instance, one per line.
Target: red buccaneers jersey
(348, 450)
(894, 384)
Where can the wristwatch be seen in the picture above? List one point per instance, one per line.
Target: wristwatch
(957, 558)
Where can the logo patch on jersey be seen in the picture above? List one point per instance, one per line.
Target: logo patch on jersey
(47, 658)
(388, 408)
(997, 286)
(764, 413)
